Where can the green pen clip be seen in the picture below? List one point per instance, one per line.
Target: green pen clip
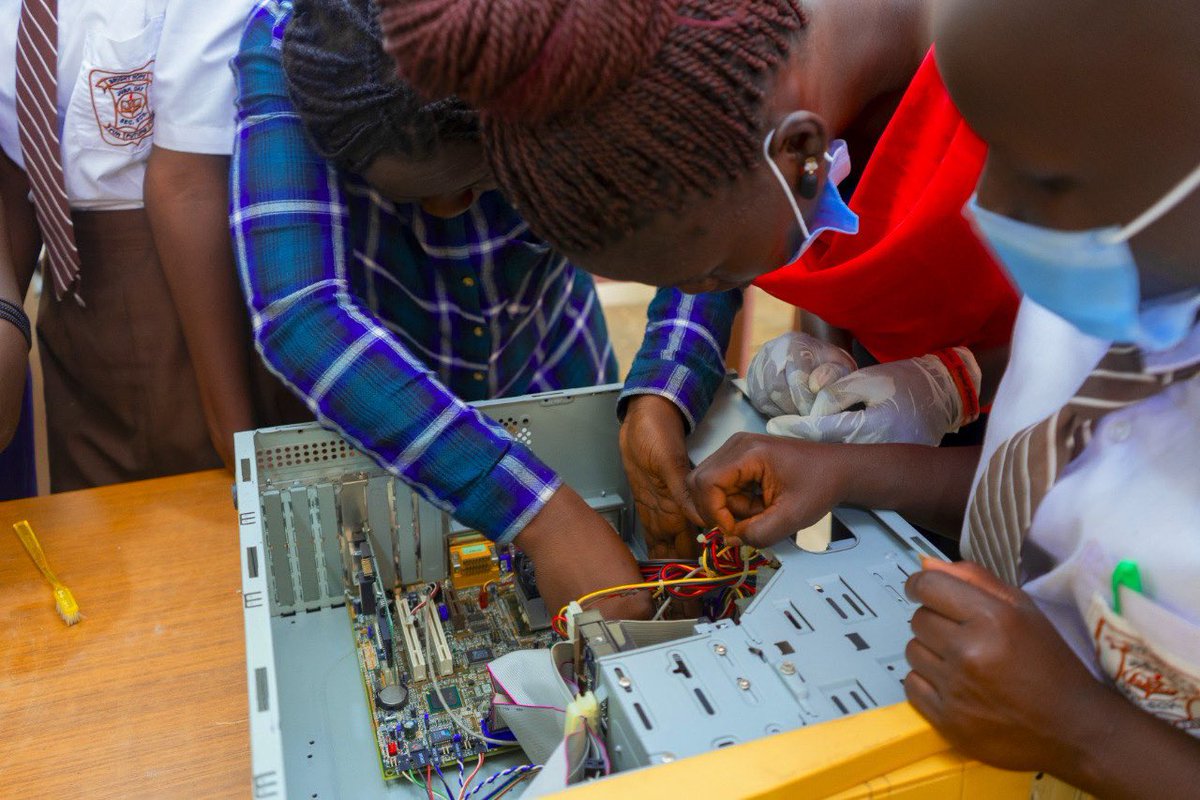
(1125, 574)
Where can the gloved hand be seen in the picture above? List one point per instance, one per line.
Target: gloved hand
(917, 401)
(786, 374)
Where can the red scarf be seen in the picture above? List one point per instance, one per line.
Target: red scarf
(915, 279)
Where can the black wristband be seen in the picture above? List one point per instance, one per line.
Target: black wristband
(11, 312)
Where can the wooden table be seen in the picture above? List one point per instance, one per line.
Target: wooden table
(146, 697)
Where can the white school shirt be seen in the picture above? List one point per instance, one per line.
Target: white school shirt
(131, 73)
(1132, 494)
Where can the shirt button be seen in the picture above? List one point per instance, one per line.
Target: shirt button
(478, 331)
(1119, 431)
(479, 376)
(468, 281)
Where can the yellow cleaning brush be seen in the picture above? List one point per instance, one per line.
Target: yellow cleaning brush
(63, 599)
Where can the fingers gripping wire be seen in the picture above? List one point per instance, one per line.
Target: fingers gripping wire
(720, 567)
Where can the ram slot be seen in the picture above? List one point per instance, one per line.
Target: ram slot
(412, 640)
(443, 660)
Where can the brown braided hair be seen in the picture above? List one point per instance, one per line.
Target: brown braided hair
(346, 91)
(599, 115)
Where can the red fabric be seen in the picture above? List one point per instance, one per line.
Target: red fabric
(915, 279)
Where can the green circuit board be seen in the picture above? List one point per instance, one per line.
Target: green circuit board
(412, 728)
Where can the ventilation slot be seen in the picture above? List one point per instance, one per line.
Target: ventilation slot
(842, 598)
(260, 688)
(642, 714)
(519, 429)
(680, 667)
(850, 698)
(858, 641)
(298, 455)
(797, 620)
(708, 709)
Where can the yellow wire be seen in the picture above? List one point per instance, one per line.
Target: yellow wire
(630, 587)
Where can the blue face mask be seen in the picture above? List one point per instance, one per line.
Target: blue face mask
(1090, 278)
(831, 212)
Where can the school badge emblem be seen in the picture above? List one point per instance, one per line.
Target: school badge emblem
(121, 101)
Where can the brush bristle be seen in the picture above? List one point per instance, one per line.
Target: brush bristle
(64, 601)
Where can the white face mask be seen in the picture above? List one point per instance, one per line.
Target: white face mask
(831, 212)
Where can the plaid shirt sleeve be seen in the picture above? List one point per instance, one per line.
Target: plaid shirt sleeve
(289, 224)
(682, 357)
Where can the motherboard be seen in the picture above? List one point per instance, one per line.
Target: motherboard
(423, 651)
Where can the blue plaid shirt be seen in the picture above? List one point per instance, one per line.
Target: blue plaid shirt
(682, 357)
(386, 319)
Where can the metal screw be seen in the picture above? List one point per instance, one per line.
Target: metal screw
(743, 684)
(817, 586)
(666, 758)
(624, 682)
(787, 668)
(719, 649)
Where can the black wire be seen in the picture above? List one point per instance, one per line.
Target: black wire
(442, 778)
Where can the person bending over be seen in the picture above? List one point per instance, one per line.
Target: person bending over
(388, 285)
(691, 144)
(1087, 496)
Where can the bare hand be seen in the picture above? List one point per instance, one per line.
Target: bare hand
(654, 451)
(761, 489)
(574, 552)
(991, 673)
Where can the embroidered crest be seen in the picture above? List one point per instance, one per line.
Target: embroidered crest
(121, 101)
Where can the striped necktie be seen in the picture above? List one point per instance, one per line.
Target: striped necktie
(37, 121)
(1024, 468)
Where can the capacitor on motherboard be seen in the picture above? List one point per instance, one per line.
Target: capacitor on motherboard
(483, 597)
(443, 612)
(410, 728)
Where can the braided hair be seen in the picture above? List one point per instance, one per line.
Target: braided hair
(599, 115)
(353, 104)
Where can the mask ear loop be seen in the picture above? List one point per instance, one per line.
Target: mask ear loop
(1157, 211)
(787, 190)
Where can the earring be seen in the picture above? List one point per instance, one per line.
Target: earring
(808, 182)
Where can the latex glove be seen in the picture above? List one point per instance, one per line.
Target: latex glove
(786, 374)
(915, 401)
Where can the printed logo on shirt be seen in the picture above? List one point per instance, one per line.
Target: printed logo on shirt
(1149, 680)
(121, 101)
